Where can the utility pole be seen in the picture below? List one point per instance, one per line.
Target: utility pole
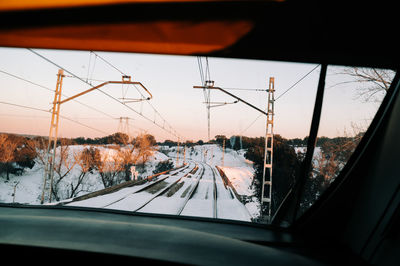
(177, 154)
(266, 189)
(184, 155)
(212, 155)
(55, 118)
(223, 151)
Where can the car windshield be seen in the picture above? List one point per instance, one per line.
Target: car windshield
(179, 135)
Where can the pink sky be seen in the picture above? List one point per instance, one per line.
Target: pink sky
(171, 79)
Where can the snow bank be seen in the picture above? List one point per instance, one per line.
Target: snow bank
(236, 167)
(241, 178)
(317, 151)
(316, 156)
(28, 187)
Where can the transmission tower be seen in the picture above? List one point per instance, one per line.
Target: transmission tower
(51, 154)
(123, 126)
(266, 189)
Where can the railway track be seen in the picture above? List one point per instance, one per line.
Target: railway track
(107, 200)
(203, 198)
(167, 188)
(195, 190)
(176, 198)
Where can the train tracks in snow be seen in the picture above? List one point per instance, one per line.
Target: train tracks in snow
(194, 190)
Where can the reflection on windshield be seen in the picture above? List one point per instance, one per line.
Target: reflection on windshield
(172, 135)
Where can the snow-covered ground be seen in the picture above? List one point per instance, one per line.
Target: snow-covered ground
(29, 186)
(236, 167)
(317, 151)
(238, 170)
(316, 156)
(173, 195)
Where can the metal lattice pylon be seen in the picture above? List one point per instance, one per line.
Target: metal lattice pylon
(123, 127)
(266, 189)
(52, 145)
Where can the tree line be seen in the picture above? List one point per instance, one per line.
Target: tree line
(287, 160)
(116, 138)
(18, 153)
(71, 165)
(112, 167)
(334, 153)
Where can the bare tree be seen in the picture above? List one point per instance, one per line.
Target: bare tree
(7, 153)
(144, 147)
(335, 153)
(375, 82)
(39, 145)
(109, 168)
(128, 157)
(62, 167)
(85, 161)
(137, 154)
(3, 139)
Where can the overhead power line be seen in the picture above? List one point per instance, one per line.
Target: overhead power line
(64, 95)
(31, 82)
(108, 63)
(205, 78)
(144, 97)
(287, 90)
(170, 130)
(251, 124)
(47, 111)
(24, 106)
(200, 65)
(244, 89)
(297, 82)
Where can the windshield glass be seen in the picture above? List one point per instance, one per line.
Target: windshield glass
(181, 135)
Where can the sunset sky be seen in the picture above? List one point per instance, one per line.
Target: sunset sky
(170, 79)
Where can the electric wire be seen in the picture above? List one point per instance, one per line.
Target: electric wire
(90, 59)
(46, 88)
(64, 95)
(244, 89)
(31, 82)
(108, 63)
(94, 66)
(287, 90)
(297, 82)
(208, 69)
(172, 131)
(206, 93)
(200, 70)
(251, 124)
(47, 111)
(143, 97)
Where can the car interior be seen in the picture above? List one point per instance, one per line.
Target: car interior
(355, 221)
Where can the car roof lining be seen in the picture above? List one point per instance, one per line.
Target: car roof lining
(263, 30)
